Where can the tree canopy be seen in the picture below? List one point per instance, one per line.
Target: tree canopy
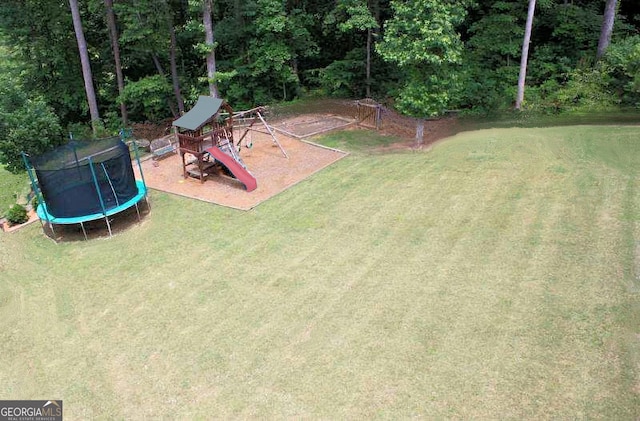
(422, 57)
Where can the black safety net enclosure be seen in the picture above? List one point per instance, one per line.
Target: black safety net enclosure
(85, 177)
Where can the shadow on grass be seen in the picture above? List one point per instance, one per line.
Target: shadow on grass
(527, 119)
(98, 228)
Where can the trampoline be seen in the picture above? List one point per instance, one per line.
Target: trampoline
(85, 181)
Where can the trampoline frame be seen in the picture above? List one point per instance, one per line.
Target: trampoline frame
(44, 215)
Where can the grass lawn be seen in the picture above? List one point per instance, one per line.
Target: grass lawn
(492, 277)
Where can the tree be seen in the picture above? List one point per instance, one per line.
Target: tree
(622, 64)
(148, 40)
(525, 54)
(607, 27)
(421, 38)
(175, 80)
(39, 35)
(273, 50)
(491, 57)
(115, 45)
(86, 65)
(27, 123)
(264, 43)
(358, 17)
(209, 41)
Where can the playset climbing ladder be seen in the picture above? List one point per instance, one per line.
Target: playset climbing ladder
(204, 132)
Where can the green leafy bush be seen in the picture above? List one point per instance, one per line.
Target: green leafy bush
(29, 126)
(34, 202)
(147, 98)
(345, 78)
(586, 90)
(17, 214)
(623, 60)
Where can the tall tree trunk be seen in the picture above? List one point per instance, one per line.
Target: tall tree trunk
(525, 54)
(157, 64)
(211, 57)
(174, 70)
(161, 72)
(368, 82)
(607, 27)
(115, 45)
(374, 7)
(86, 65)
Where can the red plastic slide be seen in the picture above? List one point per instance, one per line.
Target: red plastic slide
(234, 166)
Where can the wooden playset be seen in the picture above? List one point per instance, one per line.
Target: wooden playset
(205, 139)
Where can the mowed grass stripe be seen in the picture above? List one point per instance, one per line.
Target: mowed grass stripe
(488, 278)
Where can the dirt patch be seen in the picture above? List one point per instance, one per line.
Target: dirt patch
(152, 131)
(389, 122)
(305, 126)
(434, 131)
(273, 171)
(98, 229)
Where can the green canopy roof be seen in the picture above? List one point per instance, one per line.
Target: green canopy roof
(200, 114)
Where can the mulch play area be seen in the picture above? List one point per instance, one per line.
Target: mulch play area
(273, 171)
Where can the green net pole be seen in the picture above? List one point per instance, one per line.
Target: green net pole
(95, 182)
(34, 185)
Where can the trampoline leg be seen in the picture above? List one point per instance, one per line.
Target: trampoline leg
(83, 231)
(108, 226)
(52, 231)
(138, 212)
(44, 226)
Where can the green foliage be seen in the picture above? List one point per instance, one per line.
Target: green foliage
(30, 128)
(571, 30)
(17, 214)
(422, 32)
(12, 186)
(563, 46)
(148, 97)
(428, 55)
(344, 78)
(492, 57)
(144, 30)
(496, 38)
(42, 37)
(547, 64)
(352, 15)
(34, 202)
(428, 97)
(275, 38)
(27, 123)
(623, 63)
(422, 39)
(585, 90)
(613, 82)
(85, 131)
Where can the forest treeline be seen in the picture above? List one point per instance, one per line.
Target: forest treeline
(150, 59)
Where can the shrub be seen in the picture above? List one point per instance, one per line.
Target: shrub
(585, 90)
(147, 97)
(17, 215)
(623, 59)
(34, 202)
